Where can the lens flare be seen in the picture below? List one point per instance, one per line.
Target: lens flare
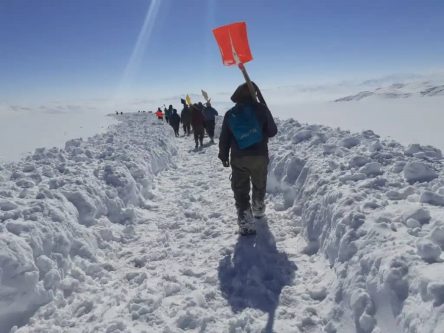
(135, 60)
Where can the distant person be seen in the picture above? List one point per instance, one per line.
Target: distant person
(168, 113)
(175, 122)
(245, 132)
(185, 118)
(117, 112)
(210, 114)
(198, 123)
(121, 113)
(159, 114)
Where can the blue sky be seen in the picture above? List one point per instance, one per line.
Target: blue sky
(54, 50)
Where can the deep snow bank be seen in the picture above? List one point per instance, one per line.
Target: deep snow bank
(60, 207)
(375, 209)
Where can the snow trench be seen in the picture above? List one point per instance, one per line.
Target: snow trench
(57, 205)
(371, 207)
(375, 210)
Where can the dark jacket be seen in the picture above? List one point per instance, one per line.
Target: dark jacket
(168, 112)
(197, 118)
(210, 113)
(265, 119)
(175, 120)
(185, 115)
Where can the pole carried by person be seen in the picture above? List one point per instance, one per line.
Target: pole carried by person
(245, 131)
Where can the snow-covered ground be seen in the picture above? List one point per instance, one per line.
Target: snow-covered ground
(61, 208)
(23, 131)
(410, 120)
(133, 231)
(375, 210)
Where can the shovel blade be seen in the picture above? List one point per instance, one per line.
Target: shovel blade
(233, 43)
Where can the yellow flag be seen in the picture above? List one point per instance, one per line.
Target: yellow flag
(188, 99)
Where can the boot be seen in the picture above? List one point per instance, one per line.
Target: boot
(258, 209)
(246, 223)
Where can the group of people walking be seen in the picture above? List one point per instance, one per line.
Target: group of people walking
(196, 118)
(243, 145)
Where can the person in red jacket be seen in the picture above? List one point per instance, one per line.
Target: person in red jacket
(159, 114)
(198, 123)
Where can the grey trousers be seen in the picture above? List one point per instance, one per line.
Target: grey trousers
(246, 170)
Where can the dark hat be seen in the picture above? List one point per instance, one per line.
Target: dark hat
(242, 93)
(197, 106)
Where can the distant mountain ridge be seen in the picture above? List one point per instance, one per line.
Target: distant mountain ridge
(398, 90)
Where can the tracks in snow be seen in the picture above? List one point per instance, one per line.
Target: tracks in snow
(183, 268)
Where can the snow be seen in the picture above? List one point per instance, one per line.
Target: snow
(23, 131)
(133, 231)
(407, 120)
(432, 198)
(399, 90)
(428, 251)
(344, 198)
(415, 171)
(57, 206)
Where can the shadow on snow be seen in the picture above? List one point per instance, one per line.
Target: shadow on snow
(254, 275)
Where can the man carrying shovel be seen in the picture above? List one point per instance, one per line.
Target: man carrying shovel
(245, 132)
(210, 115)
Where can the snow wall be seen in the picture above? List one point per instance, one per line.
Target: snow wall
(375, 210)
(57, 207)
(372, 207)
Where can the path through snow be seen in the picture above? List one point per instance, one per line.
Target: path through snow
(181, 267)
(132, 231)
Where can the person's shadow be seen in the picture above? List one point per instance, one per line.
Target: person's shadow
(254, 275)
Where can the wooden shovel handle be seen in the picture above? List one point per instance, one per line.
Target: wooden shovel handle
(250, 86)
(249, 83)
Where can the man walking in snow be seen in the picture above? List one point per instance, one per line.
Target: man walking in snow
(175, 122)
(245, 131)
(198, 124)
(168, 113)
(210, 120)
(185, 118)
